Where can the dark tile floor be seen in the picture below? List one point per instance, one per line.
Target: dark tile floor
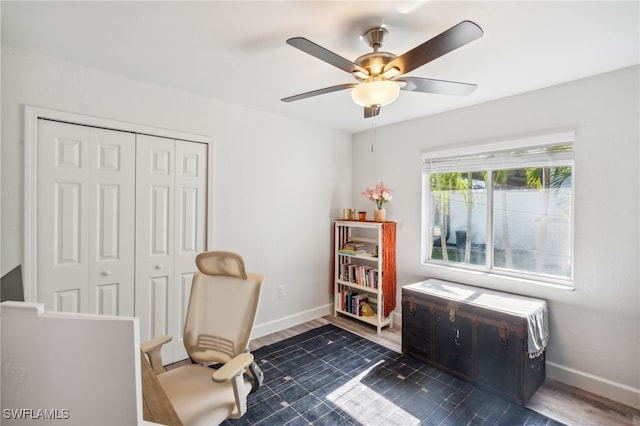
(329, 376)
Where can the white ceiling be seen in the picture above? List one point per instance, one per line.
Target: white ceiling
(235, 51)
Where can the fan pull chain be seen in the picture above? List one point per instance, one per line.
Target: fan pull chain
(374, 133)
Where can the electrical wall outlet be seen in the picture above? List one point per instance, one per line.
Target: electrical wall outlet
(280, 291)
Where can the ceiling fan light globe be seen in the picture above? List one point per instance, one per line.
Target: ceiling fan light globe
(381, 92)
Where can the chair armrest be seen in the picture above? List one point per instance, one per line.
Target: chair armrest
(153, 350)
(233, 371)
(233, 368)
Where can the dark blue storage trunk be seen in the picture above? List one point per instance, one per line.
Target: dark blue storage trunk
(484, 346)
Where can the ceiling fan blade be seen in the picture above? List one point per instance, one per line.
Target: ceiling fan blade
(371, 111)
(319, 92)
(440, 87)
(325, 55)
(453, 38)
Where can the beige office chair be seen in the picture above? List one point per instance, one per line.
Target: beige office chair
(220, 316)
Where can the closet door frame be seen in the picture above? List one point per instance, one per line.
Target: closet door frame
(32, 115)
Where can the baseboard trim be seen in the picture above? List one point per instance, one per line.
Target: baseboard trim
(397, 320)
(610, 389)
(261, 330)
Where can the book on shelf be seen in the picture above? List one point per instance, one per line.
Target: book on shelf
(343, 271)
(373, 277)
(352, 302)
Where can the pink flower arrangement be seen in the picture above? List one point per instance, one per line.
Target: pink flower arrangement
(379, 195)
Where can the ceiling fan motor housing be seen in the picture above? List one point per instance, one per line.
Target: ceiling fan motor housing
(374, 62)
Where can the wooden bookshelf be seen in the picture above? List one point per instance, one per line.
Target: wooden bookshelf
(364, 269)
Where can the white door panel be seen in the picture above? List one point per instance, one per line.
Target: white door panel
(155, 238)
(191, 232)
(62, 216)
(112, 277)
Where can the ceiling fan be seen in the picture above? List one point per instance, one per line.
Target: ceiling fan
(380, 75)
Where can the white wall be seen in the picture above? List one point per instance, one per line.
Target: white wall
(278, 183)
(595, 330)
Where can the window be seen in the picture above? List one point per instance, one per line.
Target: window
(504, 208)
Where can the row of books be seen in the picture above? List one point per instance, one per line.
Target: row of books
(351, 248)
(353, 302)
(364, 275)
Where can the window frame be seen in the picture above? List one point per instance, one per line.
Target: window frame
(561, 138)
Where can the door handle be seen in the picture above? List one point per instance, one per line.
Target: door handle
(158, 266)
(106, 273)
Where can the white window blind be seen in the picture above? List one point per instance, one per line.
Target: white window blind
(546, 151)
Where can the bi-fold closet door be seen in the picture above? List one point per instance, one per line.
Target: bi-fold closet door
(85, 221)
(121, 217)
(170, 231)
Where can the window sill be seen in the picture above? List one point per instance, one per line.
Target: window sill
(496, 281)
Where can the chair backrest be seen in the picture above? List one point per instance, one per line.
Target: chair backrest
(222, 307)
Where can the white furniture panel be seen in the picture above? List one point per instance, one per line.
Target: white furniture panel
(67, 367)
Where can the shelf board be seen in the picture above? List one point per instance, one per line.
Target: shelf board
(360, 223)
(358, 286)
(373, 319)
(360, 256)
